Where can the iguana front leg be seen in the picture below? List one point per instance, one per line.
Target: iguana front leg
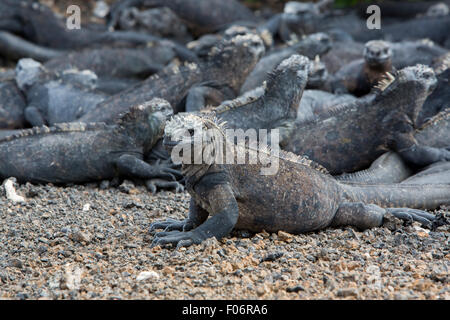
(34, 116)
(129, 165)
(197, 215)
(365, 216)
(224, 211)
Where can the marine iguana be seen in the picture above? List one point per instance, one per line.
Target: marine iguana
(360, 76)
(427, 144)
(297, 19)
(54, 97)
(409, 53)
(272, 106)
(302, 197)
(201, 16)
(12, 102)
(350, 136)
(162, 22)
(439, 99)
(433, 28)
(136, 64)
(82, 152)
(310, 46)
(36, 23)
(227, 66)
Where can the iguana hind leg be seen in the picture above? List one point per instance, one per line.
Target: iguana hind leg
(365, 216)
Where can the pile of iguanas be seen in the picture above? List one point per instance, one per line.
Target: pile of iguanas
(356, 124)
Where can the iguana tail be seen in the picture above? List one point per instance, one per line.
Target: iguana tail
(427, 196)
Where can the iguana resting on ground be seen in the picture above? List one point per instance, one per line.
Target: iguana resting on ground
(349, 137)
(310, 46)
(297, 19)
(201, 16)
(136, 64)
(300, 197)
(425, 146)
(42, 31)
(410, 53)
(226, 67)
(162, 22)
(433, 28)
(360, 76)
(12, 102)
(80, 152)
(54, 97)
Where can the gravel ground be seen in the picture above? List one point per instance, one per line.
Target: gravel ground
(83, 242)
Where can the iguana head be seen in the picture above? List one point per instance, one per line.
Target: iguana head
(236, 56)
(145, 122)
(408, 89)
(438, 10)
(300, 17)
(377, 53)
(191, 133)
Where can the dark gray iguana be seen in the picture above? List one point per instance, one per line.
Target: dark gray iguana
(227, 67)
(300, 197)
(350, 136)
(80, 152)
(310, 46)
(54, 97)
(12, 102)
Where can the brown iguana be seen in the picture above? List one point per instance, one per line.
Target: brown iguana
(299, 197)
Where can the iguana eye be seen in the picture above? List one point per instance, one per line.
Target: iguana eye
(191, 132)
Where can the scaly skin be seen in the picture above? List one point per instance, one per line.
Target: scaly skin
(438, 172)
(37, 24)
(428, 144)
(274, 105)
(202, 16)
(388, 168)
(310, 46)
(299, 198)
(12, 103)
(55, 97)
(79, 152)
(351, 136)
(227, 66)
(360, 76)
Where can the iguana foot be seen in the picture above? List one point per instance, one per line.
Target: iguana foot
(407, 214)
(178, 238)
(153, 185)
(172, 224)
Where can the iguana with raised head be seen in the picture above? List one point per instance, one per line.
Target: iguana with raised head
(82, 152)
(299, 197)
(227, 67)
(272, 106)
(360, 76)
(350, 136)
